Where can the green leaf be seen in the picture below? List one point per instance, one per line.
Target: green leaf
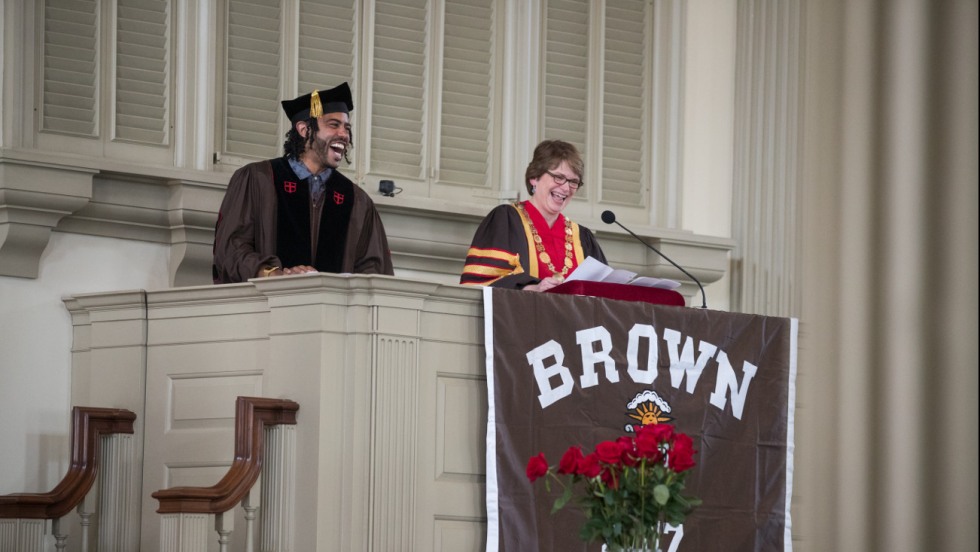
(561, 501)
(661, 494)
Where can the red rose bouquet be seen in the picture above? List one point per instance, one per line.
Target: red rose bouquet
(631, 487)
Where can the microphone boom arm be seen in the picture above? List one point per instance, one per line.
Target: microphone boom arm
(704, 300)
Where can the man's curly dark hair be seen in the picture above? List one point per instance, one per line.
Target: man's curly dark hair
(295, 144)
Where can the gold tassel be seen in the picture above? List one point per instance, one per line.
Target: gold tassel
(316, 108)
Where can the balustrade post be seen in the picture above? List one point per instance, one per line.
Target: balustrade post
(60, 537)
(224, 524)
(85, 511)
(250, 510)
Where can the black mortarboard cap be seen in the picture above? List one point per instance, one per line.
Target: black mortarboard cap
(315, 104)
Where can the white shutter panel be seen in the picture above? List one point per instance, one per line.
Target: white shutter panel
(567, 71)
(623, 116)
(70, 66)
(252, 78)
(326, 44)
(467, 77)
(143, 71)
(398, 109)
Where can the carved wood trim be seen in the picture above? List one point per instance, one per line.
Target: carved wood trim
(88, 426)
(252, 415)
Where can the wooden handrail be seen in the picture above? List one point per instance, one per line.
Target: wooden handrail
(252, 415)
(88, 425)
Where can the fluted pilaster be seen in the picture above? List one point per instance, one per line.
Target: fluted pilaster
(396, 413)
(119, 500)
(184, 532)
(278, 489)
(22, 535)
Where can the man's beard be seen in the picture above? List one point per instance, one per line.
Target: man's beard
(321, 148)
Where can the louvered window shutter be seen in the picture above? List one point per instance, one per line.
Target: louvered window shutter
(566, 72)
(624, 116)
(467, 78)
(252, 78)
(326, 44)
(70, 91)
(142, 71)
(398, 109)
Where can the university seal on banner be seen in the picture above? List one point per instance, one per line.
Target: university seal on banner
(647, 408)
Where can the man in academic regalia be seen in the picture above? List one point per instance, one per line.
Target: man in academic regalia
(297, 213)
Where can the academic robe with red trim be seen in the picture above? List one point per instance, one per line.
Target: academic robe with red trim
(248, 225)
(498, 255)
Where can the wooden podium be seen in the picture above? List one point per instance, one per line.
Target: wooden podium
(621, 292)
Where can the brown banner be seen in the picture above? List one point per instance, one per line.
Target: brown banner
(566, 370)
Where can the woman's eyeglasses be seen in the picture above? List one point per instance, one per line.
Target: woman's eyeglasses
(561, 180)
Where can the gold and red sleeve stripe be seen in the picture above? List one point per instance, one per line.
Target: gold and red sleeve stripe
(485, 266)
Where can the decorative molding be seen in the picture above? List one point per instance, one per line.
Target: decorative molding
(34, 198)
(428, 238)
(193, 212)
(125, 206)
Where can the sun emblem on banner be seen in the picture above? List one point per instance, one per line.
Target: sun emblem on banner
(647, 408)
(649, 414)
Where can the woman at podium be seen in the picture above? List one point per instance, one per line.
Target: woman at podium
(531, 245)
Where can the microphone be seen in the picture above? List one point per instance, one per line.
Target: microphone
(609, 217)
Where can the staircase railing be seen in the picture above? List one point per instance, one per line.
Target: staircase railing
(265, 444)
(100, 441)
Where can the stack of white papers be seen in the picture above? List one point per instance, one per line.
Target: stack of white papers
(593, 270)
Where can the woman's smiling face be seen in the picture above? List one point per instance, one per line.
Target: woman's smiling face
(550, 197)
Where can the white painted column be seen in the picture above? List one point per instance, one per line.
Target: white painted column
(117, 510)
(276, 514)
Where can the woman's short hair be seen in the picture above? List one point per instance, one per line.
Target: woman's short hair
(295, 144)
(548, 155)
